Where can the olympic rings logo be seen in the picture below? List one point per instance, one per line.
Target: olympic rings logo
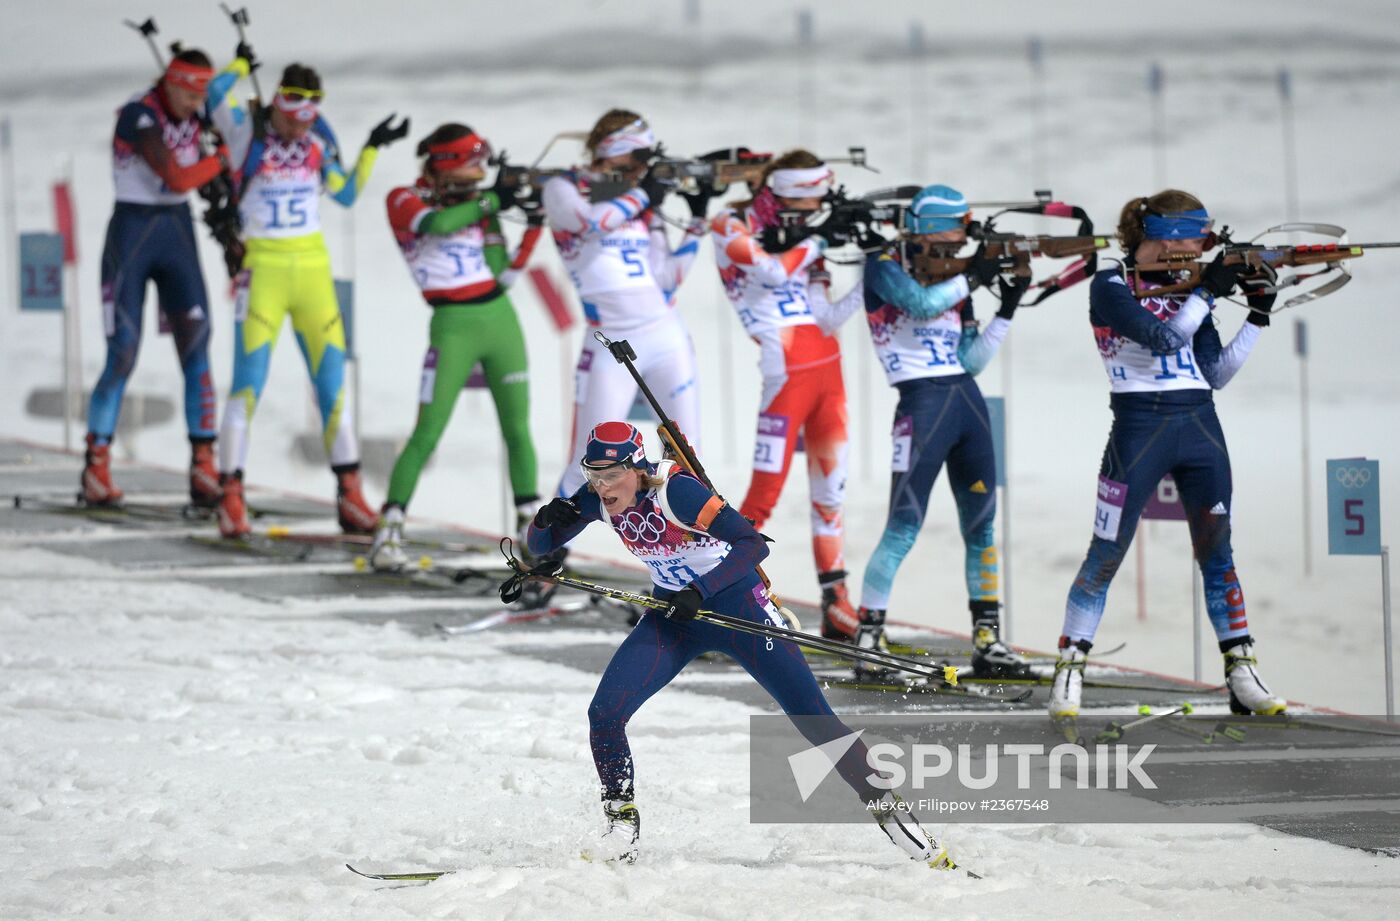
(1353, 477)
(286, 153)
(646, 527)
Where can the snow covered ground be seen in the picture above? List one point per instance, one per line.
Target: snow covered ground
(168, 751)
(196, 753)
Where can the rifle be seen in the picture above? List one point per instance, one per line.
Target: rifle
(1264, 262)
(219, 194)
(677, 447)
(1015, 251)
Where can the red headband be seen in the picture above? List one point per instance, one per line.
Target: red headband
(449, 155)
(189, 76)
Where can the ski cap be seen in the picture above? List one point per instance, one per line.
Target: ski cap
(935, 209)
(613, 443)
(630, 138)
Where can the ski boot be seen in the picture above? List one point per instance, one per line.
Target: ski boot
(991, 658)
(1248, 692)
(619, 842)
(204, 476)
(899, 825)
(386, 554)
(96, 482)
(839, 620)
(1068, 687)
(870, 635)
(354, 512)
(233, 511)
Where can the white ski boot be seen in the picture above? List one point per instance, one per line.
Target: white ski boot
(619, 842)
(899, 825)
(1068, 687)
(386, 554)
(1248, 692)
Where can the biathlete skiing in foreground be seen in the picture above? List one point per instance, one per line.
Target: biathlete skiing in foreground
(1164, 358)
(700, 552)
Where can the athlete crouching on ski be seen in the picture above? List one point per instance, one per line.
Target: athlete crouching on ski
(1163, 356)
(927, 341)
(700, 551)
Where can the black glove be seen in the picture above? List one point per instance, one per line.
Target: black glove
(1220, 279)
(782, 239)
(245, 51)
(684, 604)
(534, 211)
(1259, 303)
(506, 193)
(838, 228)
(1011, 293)
(982, 270)
(385, 134)
(699, 200)
(655, 188)
(559, 512)
(512, 588)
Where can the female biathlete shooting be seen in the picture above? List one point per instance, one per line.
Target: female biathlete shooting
(782, 300)
(625, 272)
(450, 235)
(285, 156)
(1164, 358)
(700, 551)
(927, 341)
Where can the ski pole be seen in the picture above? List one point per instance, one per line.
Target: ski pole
(148, 31)
(239, 17)
(670, 433)
(947, 674)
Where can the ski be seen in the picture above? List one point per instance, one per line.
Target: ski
(1114, 731)
(426, 876)
(906, 649)
(509, 616)
(921, 687)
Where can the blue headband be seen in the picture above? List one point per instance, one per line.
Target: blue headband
(1182, 225)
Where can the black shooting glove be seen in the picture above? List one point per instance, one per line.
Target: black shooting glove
(1011, 293)
(507, 193)
(838, 228)
(385, 133)
(245, 51)
(1260, 302)
(1220, 279)
(559, 512)
(533, 209)
(514, 587)
(684, 604)
(982, 270)
(655, 188)
(699, 200)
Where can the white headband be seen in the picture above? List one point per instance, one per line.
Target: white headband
(812, 182)
(636, 136)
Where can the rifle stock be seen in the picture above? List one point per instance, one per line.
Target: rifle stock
(1262, 260)
(1015, 251)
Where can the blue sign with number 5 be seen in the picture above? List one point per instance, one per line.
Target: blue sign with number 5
(1354, 507)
